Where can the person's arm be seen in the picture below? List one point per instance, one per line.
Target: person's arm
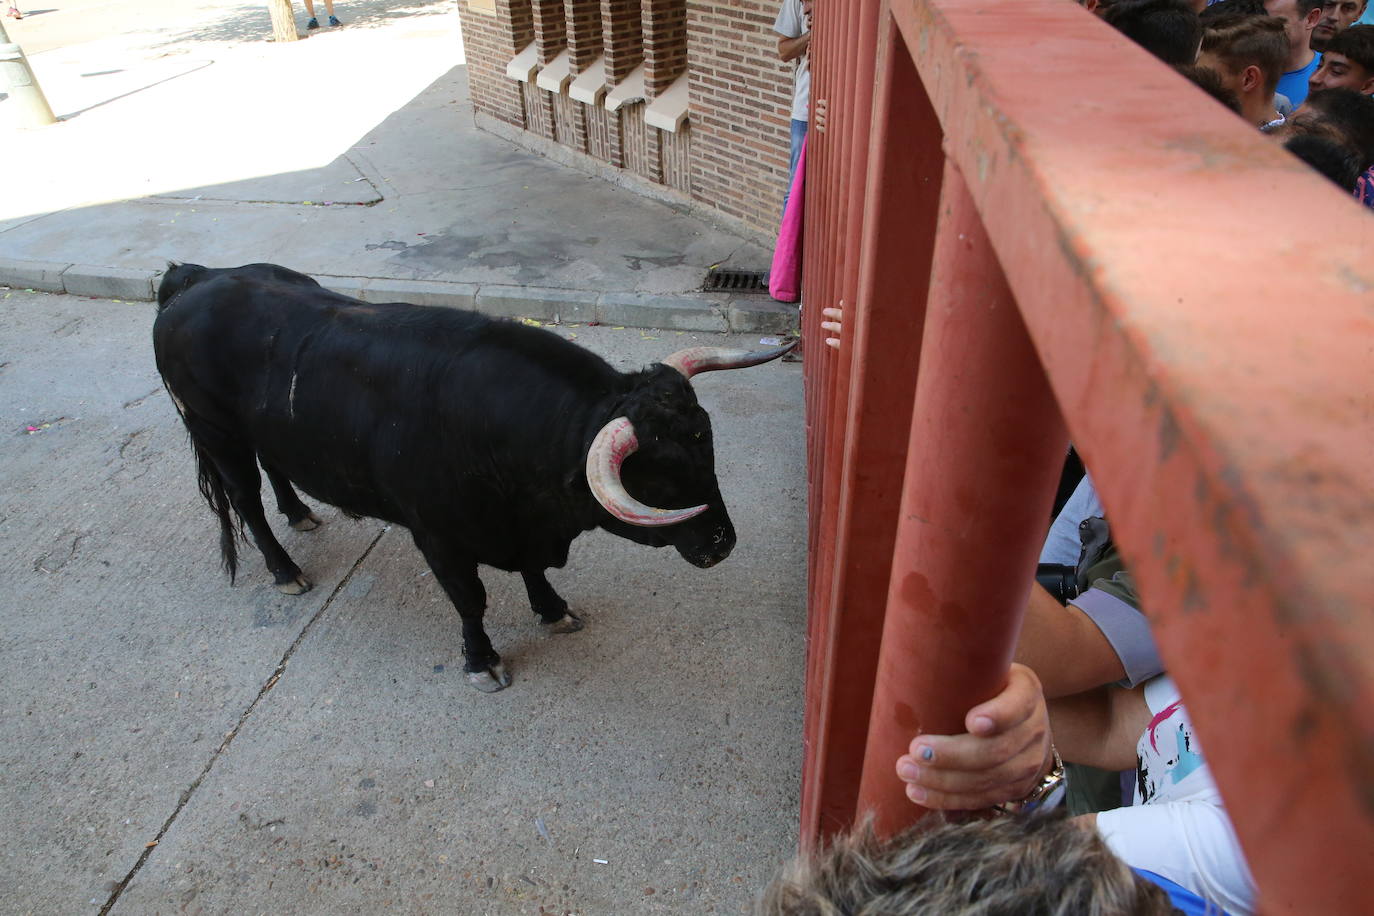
(1007, 747)
(1066, 650)
(1100, 728)
(792, 48)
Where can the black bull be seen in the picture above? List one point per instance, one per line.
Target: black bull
(491, 441)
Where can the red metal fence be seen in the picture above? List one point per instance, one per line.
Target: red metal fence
(1026, 217)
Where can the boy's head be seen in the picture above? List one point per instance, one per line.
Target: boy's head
(1034, 864)
(1331, 158)
(1347, 62)
(1209, 81)
(1168, 29)
(1248, 52)
(1300, 17)
(1341, 114)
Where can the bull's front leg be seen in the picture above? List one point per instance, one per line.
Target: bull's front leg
(548, 604)
(458, 575)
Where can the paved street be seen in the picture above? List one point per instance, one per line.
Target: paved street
(170, 743)
(351, 155)
(187, 746)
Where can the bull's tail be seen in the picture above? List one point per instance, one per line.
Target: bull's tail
(177, 278)
(212, 488)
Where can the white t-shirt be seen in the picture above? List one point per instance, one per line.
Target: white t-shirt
(1177, 826)
(791, 23)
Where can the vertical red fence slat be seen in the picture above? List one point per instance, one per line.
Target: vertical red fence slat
(986, 446)
(882, 339)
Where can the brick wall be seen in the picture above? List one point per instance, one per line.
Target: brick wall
(676, 158)
(732, 157)
(741, 109)
(490, 39)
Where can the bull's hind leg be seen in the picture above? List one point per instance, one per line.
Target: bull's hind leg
(238, 469)
(548, 604)
(458, 575)
(298, 514)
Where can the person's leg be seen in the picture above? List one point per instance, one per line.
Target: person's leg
(329, 8)
(311, 22)
(798, 135)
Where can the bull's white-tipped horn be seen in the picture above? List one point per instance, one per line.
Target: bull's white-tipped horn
(610, 448)
(710, 359)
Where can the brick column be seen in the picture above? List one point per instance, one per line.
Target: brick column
(550, 29)
(665, 43)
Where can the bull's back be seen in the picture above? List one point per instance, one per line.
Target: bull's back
(380, 409)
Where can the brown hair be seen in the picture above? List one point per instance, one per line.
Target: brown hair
(1243, 41)
(1357, 44)
(1037, 865)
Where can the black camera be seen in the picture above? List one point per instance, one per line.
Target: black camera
(1059, 580)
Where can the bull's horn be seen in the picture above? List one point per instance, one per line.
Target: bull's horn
(708, 359)
(610, 448)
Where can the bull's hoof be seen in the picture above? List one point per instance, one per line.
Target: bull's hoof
(568, 623)
(309, 523)
(493, 679)
(297, 586)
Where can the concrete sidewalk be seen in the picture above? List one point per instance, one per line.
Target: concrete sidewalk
(351, 156)
(170, 743)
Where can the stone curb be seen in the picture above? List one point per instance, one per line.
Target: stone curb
(40, 275)
(110, 282)
(681, 312)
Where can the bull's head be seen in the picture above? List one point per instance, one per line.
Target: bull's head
(669, 435)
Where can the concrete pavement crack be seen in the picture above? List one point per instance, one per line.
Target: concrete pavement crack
(238, 726)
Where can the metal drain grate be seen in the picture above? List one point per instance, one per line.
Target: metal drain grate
(735, 281)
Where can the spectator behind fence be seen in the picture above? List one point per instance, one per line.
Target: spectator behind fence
(1347, 62)
(1168, 29)
(1231, 8)
(1336, 17)
(1209, 81)
(1328, 157)
(793, 26)
(1016, 865)
(1177, 828)
(1344, 114)
(1299, 19)
(1347, 117)
(1248, 53)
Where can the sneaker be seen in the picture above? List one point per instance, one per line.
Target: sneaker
(312, 24)
(15, 14)
(334, 20)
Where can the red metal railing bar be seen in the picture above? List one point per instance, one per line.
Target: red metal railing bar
(986, 448)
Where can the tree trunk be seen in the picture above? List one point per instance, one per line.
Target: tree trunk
(283, 20)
